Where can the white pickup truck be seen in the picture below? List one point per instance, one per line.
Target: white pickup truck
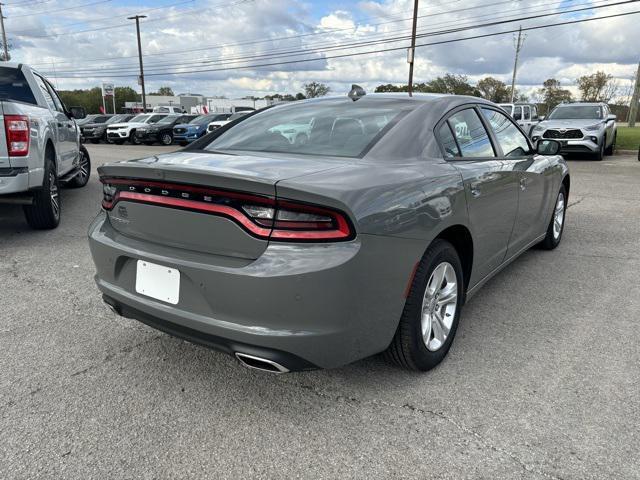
(40, 146)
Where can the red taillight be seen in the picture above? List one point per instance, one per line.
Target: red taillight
(16, 128)
(261, 216)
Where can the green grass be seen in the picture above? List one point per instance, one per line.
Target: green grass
(628, 138)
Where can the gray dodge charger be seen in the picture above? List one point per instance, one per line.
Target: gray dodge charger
(313, 234)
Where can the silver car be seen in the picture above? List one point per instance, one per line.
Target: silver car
(367, 237)
(580, 128)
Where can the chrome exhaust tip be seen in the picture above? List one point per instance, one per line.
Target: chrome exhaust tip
(262, 364)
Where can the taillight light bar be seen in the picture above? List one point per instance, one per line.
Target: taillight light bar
(261, 216)
(16, 128)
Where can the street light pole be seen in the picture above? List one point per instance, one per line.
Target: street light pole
(412, 50)
(144, 95)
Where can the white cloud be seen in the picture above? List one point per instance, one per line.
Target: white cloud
(270, 31)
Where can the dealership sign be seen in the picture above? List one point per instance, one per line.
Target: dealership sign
(107, 90)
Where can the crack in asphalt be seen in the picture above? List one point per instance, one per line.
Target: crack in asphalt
(463, 428)
(580, 199)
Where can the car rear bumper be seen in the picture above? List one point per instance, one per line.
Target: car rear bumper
(14, 180)
(324, 305)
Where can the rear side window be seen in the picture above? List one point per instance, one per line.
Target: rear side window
(472, 137)
(14, 86)
(448, 142)
(510, 138)
(45, 92)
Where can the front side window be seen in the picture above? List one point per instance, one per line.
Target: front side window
(333, 128)
(510, 138)
(472, 137)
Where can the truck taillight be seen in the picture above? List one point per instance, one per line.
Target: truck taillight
(16, 128)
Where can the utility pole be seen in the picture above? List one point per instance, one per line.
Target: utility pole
(633, 109)
(144, 96)
(519, 43)
(412, 50)
(4, 35)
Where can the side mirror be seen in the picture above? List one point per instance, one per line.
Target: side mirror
(611, 118)
(78, 112)
(548, 147)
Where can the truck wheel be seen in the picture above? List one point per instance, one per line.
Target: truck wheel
(44, 212)
(84, 167)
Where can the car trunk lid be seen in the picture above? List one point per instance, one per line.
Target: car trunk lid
(195, 200)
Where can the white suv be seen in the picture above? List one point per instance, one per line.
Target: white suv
(119, 132)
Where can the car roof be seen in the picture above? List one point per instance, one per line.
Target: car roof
(583, 104)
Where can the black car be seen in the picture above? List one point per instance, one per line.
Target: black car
(162, 131)
(96, 130)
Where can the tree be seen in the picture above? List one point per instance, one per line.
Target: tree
(450, 83)
(391, 88)
(494, 90)
(164, 91)
(300, 96)
(315, 89)
(552, 94)
(91, 99)
(597, 87)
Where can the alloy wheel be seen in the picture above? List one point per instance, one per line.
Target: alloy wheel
(83, 168)
(439, 306)
(558, 216)
(53, 192)
(167, 139)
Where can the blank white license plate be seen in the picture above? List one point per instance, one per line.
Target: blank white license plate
(157, 281)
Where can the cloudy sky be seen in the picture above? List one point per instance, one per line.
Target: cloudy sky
(257, 47)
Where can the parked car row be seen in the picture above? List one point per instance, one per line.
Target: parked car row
(149, 128)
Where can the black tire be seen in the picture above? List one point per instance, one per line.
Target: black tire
(44, 212)
(551, 240)
(599, 155)
(84, 165)
(133, 139)
(166, 138)
(408, 349)
(609, 150)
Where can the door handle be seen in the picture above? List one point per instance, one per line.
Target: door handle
(475, 191)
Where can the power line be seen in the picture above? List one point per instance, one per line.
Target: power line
(385, 50)
(360, 44)
(47, 12)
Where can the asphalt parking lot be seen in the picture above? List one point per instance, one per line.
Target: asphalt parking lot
(542, 381)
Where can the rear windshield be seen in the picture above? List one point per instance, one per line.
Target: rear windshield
(13, 86)
(340, 128)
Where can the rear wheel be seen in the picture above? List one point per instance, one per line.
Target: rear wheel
(84, 170)
(432, 310)
(44, 212)
(556, 225)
